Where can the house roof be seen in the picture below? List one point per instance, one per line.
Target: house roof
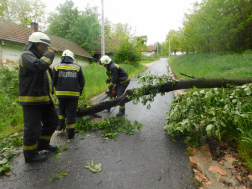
(20, 34)
(110, 46)
(152, 48)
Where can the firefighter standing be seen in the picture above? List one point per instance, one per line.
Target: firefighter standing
(118, 78)
(36, 97)
(69, 81)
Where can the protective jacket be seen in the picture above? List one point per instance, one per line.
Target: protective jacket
(68, 79)
(35, 78)
(116, 74)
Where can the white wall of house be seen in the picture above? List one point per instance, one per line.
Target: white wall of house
(78, 60)
(10, 53)
(149, 53)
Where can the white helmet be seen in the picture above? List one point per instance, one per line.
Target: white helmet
(39, 37)
(68, 53)
(105, 60)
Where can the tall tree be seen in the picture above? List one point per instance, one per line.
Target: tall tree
(23, 11)
(3, 6)
(121, 31)
(217, 25)
(86, 30)
(80, 26)
(61, 20)
(141, 42)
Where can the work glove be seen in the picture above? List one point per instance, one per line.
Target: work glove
(52, 49)
(108, 80)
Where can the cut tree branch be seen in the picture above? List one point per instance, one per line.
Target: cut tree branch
(166, 87)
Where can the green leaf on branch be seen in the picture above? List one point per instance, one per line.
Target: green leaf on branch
(94, 168)
(59, 175)
(59, 150)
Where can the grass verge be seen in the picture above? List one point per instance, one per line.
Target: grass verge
(145, 59)
(96, 76)
(223, 113)
(213, 65)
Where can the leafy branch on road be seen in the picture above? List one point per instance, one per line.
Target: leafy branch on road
(7, 148)
(110, 126)
(59, 175)
(148, 80)
(218, 112)
(59, 150)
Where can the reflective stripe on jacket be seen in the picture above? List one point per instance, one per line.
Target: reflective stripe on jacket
(68, 79)
(117, 74)
(35, 78)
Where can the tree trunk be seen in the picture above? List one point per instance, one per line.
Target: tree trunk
(167, 87)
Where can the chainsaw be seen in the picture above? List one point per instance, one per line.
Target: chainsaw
(110, 94)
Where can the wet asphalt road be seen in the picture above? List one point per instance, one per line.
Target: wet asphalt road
(146, 160)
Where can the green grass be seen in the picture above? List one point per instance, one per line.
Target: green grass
(213, 65)
(11, 116)
(145, 59)
(222, 66)
(95, 76)
(164, 56)
(11, 113)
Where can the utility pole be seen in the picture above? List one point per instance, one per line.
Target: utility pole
(102, 32)
(169, 49)
(157, 48)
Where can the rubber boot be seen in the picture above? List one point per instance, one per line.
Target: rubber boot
(44, 145)
(51, 148)
(70, 133)
(59, 128)
(121, 113)
(32, 156)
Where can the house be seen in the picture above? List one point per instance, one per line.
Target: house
(13, 38)
(152, 51)
(110, 48)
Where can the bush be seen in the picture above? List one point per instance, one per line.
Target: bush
(11, 115)
(222, 113)
(9, 81)
(127, 53)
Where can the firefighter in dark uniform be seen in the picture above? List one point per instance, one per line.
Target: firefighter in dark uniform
(69, 81)
(36, 97)
(118, 78)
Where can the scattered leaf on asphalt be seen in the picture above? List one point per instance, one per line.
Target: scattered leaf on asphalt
(59, 175)
(94, 168)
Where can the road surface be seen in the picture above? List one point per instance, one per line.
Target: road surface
(146, 160)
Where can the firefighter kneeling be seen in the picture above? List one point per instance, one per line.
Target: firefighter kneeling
(118, 78)
(69, 81)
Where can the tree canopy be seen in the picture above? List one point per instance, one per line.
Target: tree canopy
(213, 26)
(22, 11)
(82, 27)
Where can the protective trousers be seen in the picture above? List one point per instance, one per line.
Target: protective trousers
(120, 90)
(67, 108)
(35, 134)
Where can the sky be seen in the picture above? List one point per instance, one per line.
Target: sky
(154, 18)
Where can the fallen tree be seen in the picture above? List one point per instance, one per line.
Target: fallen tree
(166, 87)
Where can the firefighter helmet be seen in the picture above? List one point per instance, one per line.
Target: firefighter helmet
(105, 60)
(39, 37)
(68, 53)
